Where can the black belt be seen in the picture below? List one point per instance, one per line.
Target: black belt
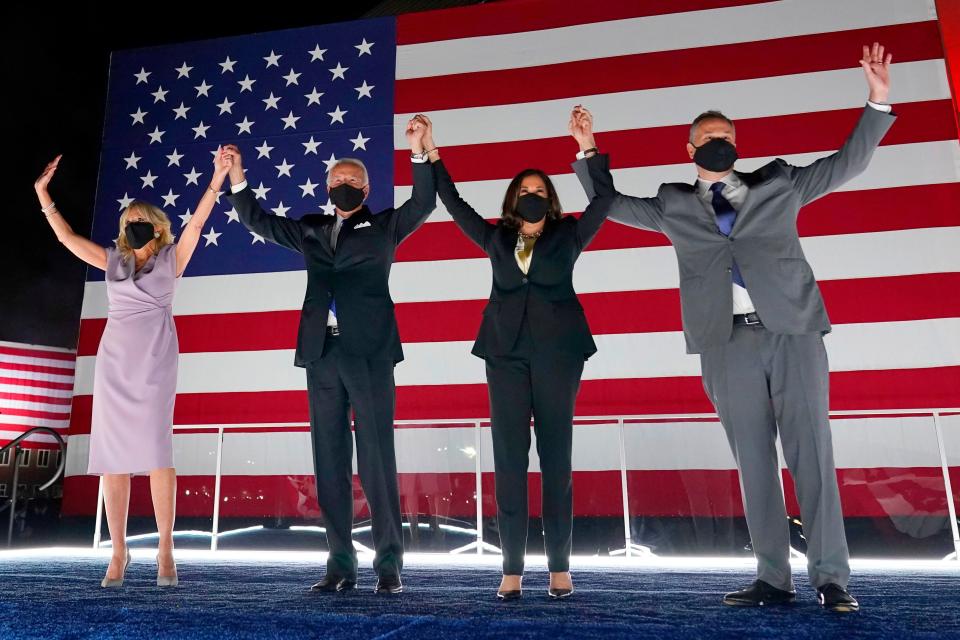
(333, 331)
(747, 319)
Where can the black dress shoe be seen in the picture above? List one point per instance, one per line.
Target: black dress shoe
(332, 583)
(513, 594)
(759, 594)
(388, 584)
(560, 593)
(833, 597)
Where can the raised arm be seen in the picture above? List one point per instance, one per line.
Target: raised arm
(423, 200)
(87, 250)
(277, 229)
(826, 174)
(581, 127)
(187, 242)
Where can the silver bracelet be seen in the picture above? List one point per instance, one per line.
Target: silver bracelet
(44, 210)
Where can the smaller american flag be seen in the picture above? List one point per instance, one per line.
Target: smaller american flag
(36, 389)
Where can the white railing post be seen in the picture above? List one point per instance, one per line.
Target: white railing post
(97, 536)
(947, 485)
(479, 479)
(214, 534)
(628, 538)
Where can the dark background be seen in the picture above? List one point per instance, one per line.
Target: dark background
(55, 81)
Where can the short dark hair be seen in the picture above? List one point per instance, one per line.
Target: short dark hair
(708, 115)
(511, 219)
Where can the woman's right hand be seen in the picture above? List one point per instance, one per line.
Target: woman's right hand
(40, 185)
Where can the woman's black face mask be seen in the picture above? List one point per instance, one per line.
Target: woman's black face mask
(138, 234)
(532, 207)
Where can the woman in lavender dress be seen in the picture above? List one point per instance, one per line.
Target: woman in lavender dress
(136, 367)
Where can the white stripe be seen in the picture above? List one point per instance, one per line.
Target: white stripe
(852, 347)
(689, 30)
(32, 406)
(34, 375)
(34, 347)
(646, 108)
(861, 255)
(34, 422)
(895, 165)
(28, 389)
(37, 362)
(860, 443)
(7, 436)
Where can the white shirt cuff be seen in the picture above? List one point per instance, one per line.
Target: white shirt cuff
(886, 108)
(583, 154)
(237, 188)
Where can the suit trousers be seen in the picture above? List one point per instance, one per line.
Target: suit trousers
(544, 385)
(762, 383)
(335, 383)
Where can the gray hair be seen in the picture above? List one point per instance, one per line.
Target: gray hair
(708, 115)
(349, 161)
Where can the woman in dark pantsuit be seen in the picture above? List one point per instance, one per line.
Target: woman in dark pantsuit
(534, 338)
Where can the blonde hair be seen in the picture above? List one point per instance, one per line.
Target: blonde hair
(152, 214)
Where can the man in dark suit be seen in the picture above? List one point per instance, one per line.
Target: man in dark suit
(752, 309)
(348, 343)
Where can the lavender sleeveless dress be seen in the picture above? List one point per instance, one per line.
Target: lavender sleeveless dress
(135, 376)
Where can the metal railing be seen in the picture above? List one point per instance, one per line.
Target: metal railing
(630, 548)
(17, 449)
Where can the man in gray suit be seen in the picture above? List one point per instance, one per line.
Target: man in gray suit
(752, 309)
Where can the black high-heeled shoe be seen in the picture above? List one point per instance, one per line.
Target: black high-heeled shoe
(557, 593)
(513, 594)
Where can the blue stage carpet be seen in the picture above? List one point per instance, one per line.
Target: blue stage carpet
(60, 597)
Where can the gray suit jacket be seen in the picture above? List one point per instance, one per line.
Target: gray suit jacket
(764, 239)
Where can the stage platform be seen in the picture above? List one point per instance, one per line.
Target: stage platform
(55, 593)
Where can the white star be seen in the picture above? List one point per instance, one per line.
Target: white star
(132, 161)
(244, 127)
(263, 151)
(225, 106)
(359, 142)
(183, 71)
(364, 47)
(160, 95)
(363, 91)
(290, 121)
(336, 115)
(271, 102)
(157, 135)
(211, 237)
(174, 158)
(137, 116)
(200, 131)
(185, 218)
(148, 180)
(317, 54)
(181, 112)
(332, 161)
(329, 208)
(281, 210)
(125, 201)
(338, 72)
(170, 200)
(192, 176)
(309, 187)
(227, 65)
(233, 216)
(246, 84)
(313, 97)
(283, 169)
(257, 238)
(291, 78)
(142, 76)
(273, 59)
(311, 146)
(203, 89)
(261, 191)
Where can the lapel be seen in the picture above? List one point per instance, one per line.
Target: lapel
(752, 180)
(346, 228)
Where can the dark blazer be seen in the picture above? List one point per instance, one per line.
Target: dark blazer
(764, 239)
(545, 294)
(356, 276)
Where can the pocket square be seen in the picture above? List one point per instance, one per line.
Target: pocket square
(362, 225)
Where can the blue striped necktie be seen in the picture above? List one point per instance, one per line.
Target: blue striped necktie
(726, 217)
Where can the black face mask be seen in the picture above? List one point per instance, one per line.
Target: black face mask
(532, 207)
(138, 234)
(715, 155)
(346, 197)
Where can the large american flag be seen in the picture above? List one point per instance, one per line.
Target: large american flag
(499, 81)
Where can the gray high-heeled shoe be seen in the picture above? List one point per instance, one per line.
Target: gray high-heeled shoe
(116, 582)
(166, 581)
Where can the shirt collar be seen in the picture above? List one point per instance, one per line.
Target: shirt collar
(732, 180)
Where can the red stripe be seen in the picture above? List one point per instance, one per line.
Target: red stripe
(659, 69)
(13, 366)
(43, 384)
(530, 15)
(887, 299)
(31, 413)
(37, 353)
(850, 390)
(925, 121)
(26, 397)
(918, 491)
